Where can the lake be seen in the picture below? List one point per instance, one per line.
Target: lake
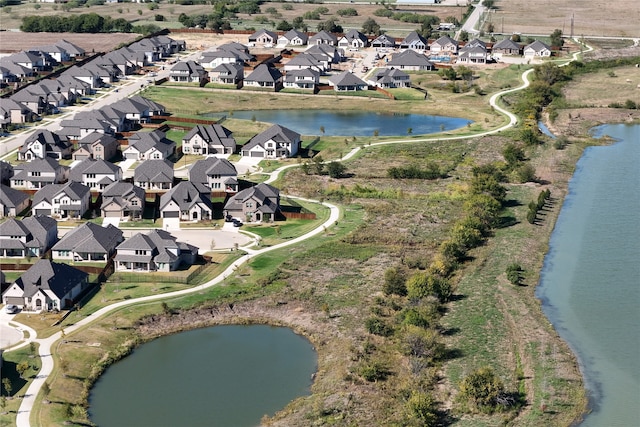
(223, 376)
(354, 123)
(590, 284)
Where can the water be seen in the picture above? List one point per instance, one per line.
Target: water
(590, 286)
(217, 376)
(545, 130)
(354, 123)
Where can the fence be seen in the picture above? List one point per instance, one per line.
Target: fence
(299, 215)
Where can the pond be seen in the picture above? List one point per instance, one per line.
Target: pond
(228, 375)
(353, 123)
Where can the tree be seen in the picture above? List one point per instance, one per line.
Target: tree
(370, 26)
(22, 368)
(556, 38)
(336, 169)
(330, 26)
(482, 389)
(318, 165)
(448, 73)
(464, 36)
(284, 26)
(465, 73)
(489, 4)
(423, 407)
(529, 136)
(513, 154)
(394, 282)
(298, 23)
(8, 387)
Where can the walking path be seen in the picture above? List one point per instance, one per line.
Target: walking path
(24, 412)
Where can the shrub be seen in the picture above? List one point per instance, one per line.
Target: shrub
(394, 282)
(377, 326)
(513, 273)
(482, 389)
(374, 371)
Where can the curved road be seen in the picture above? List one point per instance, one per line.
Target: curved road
(24, 412)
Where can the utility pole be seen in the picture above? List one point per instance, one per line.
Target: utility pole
(571, 35)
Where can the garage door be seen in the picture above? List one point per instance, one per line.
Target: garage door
(170, 214)
(132, 156)
(43, 212)
(15, 301)
(257, 154)
(112, 214)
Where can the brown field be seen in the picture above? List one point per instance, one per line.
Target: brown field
(604, 87)
(11, 41)
(591, 17)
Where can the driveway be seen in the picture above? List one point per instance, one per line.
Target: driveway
(8, 335)
(247, 164)
(205, 239)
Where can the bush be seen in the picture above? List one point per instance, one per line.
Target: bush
(377, 326)
(560, 143)
(482, 389)
(347, 12)
(394, 282)
(514, 273)
(374, 371)
(526, 173)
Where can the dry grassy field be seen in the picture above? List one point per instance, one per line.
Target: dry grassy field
(591, 17)
(11, 41)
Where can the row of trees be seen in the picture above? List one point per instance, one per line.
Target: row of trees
(536, 206)
(84, 23)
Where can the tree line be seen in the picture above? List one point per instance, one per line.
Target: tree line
(84, 23)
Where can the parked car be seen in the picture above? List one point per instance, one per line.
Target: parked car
(228, 218)
(237, 223)
(11, 309)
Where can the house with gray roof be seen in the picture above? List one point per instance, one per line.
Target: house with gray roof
(353, 39)
(46, 286)
(83, 124)
(323, 37)
(306, 78)
(122, 200)
(259, 203)
(384, 41)
(154, 175)
(506, 46)
(70, 200)
(319, 63)
(346, 81)
(444, 46)
(72, 49)
(537, 49)
(38, 173)
(86, 75)
(34, 101)
(187, 202)
(90, 242)
(95, 174)
(217, 174)
(30, 237)
(335, 54)
(209, 140)
(410, 60)
(390, 78)
(44, 143)
(187, 72)
(474, 52)
(157, 250)
(293, 37)
(263, 37)
(264, 76)
(12, 201)
(149, 146)
(97, 146)
(274, 143)
(15, 112)
(228, 74)
(57, 53)
(414, 41)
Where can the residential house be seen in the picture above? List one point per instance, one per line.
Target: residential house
(97, 174)
(12, 202)
(84, 124)
(275, 142)
(42, 144)
(334, 54)
(30, 237)
(30, 60)
(58, 53)
(6, 172)
(353, 39)
(97, 146)
(188, 71)
(208, 140)
(157, 250)
(264, 37)
(389, 78)
(90, 242)
(13, 112)
(347, 81)
(414, 41)
(73, 50)
(294, 38)
(319, 63)
(219, 175)
(302, 79)
(264, 76)
(46, 286)
(384, 41)
(149, 145)
(323, 37)
(537, 49)
(154, 175)
(33, 101)
(123, 200)
(228, 74)
(86, 75)
(20, 72)
(38, 173)
(259, 203)
(506, 47)
(410, 60)
(138, 109)
(70, 200)
(474, 52)
(445, 46)
(187, 201)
